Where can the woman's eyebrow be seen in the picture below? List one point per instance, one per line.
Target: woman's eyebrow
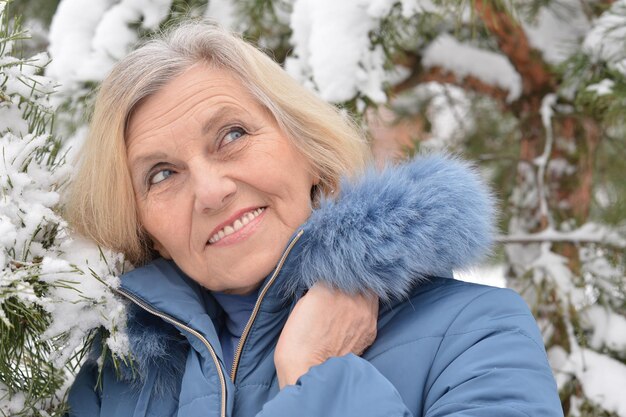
(218, 118)
(146, 159)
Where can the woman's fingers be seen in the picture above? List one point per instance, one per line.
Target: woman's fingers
(324, 323)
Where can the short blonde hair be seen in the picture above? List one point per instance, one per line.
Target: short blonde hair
(101, 202)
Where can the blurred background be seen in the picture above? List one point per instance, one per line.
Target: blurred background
(532, 91)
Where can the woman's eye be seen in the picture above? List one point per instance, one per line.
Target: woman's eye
(160, 176)
(233, 134)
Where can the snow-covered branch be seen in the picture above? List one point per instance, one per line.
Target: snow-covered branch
(488, 71)
(589, 233)
(513, 42)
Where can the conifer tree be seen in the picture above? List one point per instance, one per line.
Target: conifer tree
(47, 278)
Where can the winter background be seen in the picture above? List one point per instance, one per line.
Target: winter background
(534, 91)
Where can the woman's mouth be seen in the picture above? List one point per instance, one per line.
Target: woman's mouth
(240, 223)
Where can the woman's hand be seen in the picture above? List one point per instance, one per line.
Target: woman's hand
(324, 323)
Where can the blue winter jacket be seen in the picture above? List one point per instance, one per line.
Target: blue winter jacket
(444, 347)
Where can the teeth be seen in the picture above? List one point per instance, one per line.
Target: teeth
(237, 224)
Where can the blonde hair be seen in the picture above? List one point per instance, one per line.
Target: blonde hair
(101, 202)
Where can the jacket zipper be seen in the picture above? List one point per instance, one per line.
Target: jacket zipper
(257, 306)
(175, 322)
(244, 335)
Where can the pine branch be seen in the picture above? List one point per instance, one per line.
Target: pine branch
(514, 44)
(589, 233)
(470, 83)
(538, 238)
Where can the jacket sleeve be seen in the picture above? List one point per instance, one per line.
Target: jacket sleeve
(492, 362)
(84, 398)
(339, 387)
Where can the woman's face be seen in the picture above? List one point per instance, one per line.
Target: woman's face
(219, 187)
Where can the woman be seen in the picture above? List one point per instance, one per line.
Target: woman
(266, 247)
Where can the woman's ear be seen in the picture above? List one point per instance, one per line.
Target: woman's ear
(315, 195)
(315, 188)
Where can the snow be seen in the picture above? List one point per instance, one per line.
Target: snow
(602, 378)
(588, 233)
(606, 39)
(75, 272)
(413, 7)
(71, 32)
(608, 328)
(28, 206)
(598, 268)
(558, 167)
(16, 401)
(558, 358)
(115, 21)
(7, 231)
(448, 112)
(10, 119)
(556, 40)
(493, 275)
(541, 161)
(85, 42)
(525, 196)
(467, 60)
(351, 66)
(222, 12)
(603, 88)
(381, 8)
(603, 196)
(88, 297)
(18, 79)
(554, 268)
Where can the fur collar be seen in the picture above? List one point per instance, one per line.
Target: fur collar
(385, 233)
(392, 228)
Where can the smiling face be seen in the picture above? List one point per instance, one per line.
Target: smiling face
(219, 187)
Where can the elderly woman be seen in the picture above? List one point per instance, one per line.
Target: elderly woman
(263, 246)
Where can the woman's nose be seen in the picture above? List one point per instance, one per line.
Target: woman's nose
(212, 189)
